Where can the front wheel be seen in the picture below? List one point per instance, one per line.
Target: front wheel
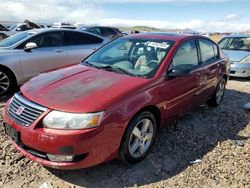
(138, 138)
(7, 82)
(219, 93)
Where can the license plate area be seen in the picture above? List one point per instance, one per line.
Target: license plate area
(12, 133)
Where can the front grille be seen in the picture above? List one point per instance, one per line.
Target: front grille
(23, 111)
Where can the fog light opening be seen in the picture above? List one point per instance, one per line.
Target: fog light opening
(60, 158)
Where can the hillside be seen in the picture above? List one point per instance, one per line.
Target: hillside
(139, 28)
(153, 29)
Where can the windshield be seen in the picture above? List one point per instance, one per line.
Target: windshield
(135, 57)
(12, 27)
(14, 39)
(2, 28)
(235, 43)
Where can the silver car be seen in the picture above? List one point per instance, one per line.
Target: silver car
(29, 53)
(237, 47)
(16, 28)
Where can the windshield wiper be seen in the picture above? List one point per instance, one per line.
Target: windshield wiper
(109, 68)
(116, 68)
(90, 64)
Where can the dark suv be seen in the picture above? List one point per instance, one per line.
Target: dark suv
(110, 32)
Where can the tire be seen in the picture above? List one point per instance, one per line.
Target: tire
(218, 94)
(7, 82)
(138, 138)
(2, 36)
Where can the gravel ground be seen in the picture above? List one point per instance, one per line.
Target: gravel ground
(217, 139)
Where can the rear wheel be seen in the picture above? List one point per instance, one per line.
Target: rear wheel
(138, 138)
(219, 93)
(7, 82)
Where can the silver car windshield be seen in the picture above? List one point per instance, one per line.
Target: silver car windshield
(235, 43)
(135, 57)
(14, 39)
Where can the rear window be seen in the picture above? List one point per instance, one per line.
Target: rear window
(207, 50)
(76, 38)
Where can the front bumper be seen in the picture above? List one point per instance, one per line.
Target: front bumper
(91, 146)
(240, 70)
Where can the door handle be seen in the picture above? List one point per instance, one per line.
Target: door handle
(208, 73)
(198, 75)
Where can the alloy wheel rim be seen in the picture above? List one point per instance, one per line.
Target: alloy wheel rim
(4, 83)
(141, 138)
(220, 91)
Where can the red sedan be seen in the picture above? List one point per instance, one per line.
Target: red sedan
(112, 103)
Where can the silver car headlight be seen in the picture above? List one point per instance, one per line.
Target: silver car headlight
(245, 60)
(64, 120)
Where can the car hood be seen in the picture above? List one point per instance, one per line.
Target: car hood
(236, 55)
(80, 88)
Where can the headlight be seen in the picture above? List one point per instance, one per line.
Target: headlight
(64, 120)
(245, 60)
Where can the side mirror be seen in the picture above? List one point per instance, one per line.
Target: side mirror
(179, 72)
(29, 46)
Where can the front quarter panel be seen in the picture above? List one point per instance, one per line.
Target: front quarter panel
(11, 60)
(120, 115)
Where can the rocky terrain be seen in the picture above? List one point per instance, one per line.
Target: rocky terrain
(209, 148)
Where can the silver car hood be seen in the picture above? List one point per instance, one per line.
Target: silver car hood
(236, 55)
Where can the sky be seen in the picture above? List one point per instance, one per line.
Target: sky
(199, 15)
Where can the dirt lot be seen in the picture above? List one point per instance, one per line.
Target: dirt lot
(219, 137)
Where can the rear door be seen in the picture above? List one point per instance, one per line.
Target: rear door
(80, 45)
(210, 66)
(50, 54)
(183, 93)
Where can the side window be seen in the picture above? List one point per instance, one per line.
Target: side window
(75, 38)
(49, 40)
(186, 56)
(207, 50)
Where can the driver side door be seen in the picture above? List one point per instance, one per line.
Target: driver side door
(49, 54)
(183, 92)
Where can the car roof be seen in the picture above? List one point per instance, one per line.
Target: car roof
(165, 36)
(43, 30)
(93, 26)
(238, 35)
